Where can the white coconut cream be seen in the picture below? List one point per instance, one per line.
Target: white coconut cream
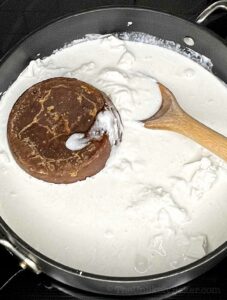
(160, 202)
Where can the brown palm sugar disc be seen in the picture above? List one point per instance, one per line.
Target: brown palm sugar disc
(41, 121)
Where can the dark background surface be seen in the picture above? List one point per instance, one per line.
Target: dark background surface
(20, 17)
(17, 19)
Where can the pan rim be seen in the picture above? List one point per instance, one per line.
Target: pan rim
(221, 250)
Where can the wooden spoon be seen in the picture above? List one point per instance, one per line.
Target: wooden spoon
(172, 117)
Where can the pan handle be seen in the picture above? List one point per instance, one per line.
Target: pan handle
(24, 261)
(210, 9)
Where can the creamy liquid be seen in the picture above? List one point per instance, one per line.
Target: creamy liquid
(160, 203)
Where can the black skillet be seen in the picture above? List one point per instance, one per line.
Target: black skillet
(105, 21)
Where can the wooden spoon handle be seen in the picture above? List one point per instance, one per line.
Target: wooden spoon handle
(205, 136)
(179, 121)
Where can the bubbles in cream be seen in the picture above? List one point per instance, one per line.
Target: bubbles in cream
(141, 263)
(189, 73)
(160, 202)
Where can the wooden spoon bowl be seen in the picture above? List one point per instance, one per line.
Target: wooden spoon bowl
(172, 117)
